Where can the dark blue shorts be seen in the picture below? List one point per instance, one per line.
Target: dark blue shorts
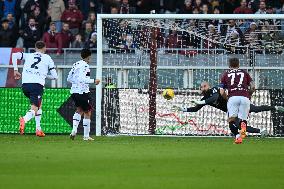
(34, 92)
(82, 101)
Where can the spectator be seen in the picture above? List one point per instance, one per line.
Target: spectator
(12, 24)
(197, 4)
(31, 34)
(56, 9)
(9, 7)
(52, 39)
(92, 19)
(205, 9)
(113, 10)
(271, 39)
(226, 31)
(262, 8)
(87, 31)
(6, 35)
(66, 36)
(40, 20)
(126, 41)
(92, 41)
(244, 25)
(78, 43)
(31, 5)
(252, 35)
(216, 10)
(73, 17)
(233, 43)
(213, 38)
(233, 39)
(270, 10)
(186, 8)
(125, 8)
(214, 3)
(243, 9)
(253, 5)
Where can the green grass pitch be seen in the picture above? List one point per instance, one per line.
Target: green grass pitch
(140, 162)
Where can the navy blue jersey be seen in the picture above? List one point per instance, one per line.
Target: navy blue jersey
(218, 102)
(213, 98)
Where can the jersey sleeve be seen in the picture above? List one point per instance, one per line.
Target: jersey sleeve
(17, 56)
(195, 108)
(52, 70)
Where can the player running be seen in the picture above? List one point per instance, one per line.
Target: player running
(79, 76)
(216, 97)
(240, 86)
(35, 71)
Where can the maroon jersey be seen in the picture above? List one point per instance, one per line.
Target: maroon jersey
(237, 82)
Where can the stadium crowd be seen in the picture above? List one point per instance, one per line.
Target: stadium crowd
(71, 23)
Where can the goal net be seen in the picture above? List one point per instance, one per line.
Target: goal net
(138, 56)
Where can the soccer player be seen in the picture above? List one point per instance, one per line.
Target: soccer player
(240, 87)
(79, 76)
(35, 71)
(216, 97)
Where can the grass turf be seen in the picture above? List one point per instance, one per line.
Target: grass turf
(140, 162)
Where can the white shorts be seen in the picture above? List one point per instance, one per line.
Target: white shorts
(238, 106)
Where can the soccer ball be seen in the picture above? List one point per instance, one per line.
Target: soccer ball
(168, 94)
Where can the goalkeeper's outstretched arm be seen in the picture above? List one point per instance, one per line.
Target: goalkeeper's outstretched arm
(190, 109)
(194, 109)
(207, 101)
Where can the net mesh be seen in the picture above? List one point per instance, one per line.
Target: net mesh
(187, 53)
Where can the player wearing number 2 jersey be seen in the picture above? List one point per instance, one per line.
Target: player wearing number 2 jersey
(240, 86)
(35, 71)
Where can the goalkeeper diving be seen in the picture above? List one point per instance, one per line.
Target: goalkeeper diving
(216, 97)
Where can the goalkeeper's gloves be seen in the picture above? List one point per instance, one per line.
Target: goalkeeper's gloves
(199, 102)
(178, 108)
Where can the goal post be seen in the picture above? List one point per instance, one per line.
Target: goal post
(188, 70)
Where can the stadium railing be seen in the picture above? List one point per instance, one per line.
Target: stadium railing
(263, 66)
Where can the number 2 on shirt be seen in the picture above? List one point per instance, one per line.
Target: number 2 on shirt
(37, 60)
(233, 76)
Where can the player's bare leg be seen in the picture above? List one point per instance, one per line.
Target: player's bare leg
(76, 121)
(29, 115)
(86, 125)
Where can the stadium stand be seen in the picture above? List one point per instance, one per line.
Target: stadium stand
(29, 20)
